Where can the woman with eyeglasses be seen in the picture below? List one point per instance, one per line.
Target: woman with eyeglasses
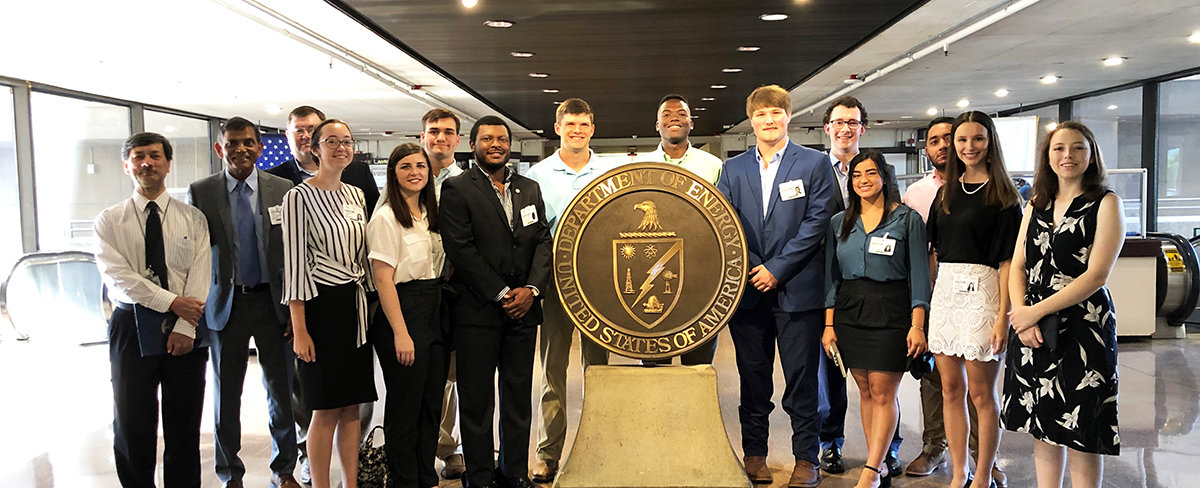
(325, 275)
(1063, 391)
(877, 291)
(972, 228)
(407, 263)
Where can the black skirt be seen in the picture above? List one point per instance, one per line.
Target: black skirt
(343, 374)
(872, 319)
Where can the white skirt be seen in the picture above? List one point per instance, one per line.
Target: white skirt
(965, 305)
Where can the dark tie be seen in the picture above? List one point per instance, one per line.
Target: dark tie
(156, 256)
(247, 243)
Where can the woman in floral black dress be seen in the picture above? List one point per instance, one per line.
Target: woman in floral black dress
(1071, 234)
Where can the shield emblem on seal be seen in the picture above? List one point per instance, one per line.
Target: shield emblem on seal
(648, 275)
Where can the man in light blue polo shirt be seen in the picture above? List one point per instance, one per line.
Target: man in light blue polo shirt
(561, 176)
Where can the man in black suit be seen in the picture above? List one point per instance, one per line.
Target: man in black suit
(495, 234)
(301, 122)
(242, 206)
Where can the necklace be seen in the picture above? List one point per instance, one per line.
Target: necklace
(981, 185)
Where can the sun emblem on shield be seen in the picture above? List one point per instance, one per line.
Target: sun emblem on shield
(648, 268)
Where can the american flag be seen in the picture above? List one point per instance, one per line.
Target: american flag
(275, 151)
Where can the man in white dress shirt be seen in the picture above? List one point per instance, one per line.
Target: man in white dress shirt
(154, 252)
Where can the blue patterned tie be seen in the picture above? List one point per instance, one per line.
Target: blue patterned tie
(247, 248)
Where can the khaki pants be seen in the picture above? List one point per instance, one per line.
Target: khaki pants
(448, 443)
(554, 350)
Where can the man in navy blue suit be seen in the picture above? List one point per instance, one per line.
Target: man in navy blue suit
(783, 194)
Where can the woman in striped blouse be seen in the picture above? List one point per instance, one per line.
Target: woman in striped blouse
(325, 271)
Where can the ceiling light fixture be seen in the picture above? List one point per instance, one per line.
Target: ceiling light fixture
(1114, 61)
(1194, 38)
(1052, 126)
(520, 54)
(748, 49)
(717, 87)
(906, 116)
(470, 3)
(707, 99)
(932, 111)
(963, 103)
(695, 116)
(169, 128)
(499, 24)
(1111, 107)
(550, 90)
(699, 109)
(773, 17)
(1049, 79)
(732, 70)
(852, 80)
(538, 75)
(1002, 93)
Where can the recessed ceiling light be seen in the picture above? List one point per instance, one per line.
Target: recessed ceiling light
(557, 102)
(550, 90)
(520, 54)
(1111, 107)
(773, 17)
(732, 70)
(748, 49)
(470, 3)
(1194, 38)
(499, 24)
(169, 128)
(717, 87)
(695, 116)
(1002, 93)
(1114, 61)
(932, 111)
(963, 103)
(274, 109)
(1048, 79)
(1052, 126)
(538, 75)
(699, 109)
(707, 99)
(906, 116)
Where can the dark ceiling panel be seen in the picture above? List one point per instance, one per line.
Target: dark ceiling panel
(623, 56)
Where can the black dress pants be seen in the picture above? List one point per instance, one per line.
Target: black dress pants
(136, 381)
(481, 352)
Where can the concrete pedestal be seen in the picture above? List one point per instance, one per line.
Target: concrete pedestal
(651, 427)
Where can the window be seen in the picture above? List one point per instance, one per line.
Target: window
(1179, 157)
(1047, 120)
(77, 166)
(1116, 119)
(189, 139)
(10, 203)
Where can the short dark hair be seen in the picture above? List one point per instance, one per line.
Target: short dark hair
(939, 120)
(673, 96)
(145, 139)
(240, 123)
(573, 106)
(305, 111)
(439, 114)
(489, 120)
(848, 102)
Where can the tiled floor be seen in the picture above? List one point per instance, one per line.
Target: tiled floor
(56, 414)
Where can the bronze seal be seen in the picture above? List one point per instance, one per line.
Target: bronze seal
(649, 260)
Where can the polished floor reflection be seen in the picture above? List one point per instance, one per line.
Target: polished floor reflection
(56, 411)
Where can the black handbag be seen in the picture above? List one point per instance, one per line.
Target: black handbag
(1049, 327)
(372, 463)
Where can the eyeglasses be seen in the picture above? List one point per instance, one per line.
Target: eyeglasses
(302, 130)
(838, 124)
(334, 143)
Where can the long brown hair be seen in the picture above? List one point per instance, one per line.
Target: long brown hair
(891, 197)
(428, 196)
(1000, 189)
(1045, 180)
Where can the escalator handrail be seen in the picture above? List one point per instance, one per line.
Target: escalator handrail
(41, 258)
(1189, 259)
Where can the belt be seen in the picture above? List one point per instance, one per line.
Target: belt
(124, 306)
(246, 289)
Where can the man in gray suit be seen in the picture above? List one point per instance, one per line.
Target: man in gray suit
(242, 205)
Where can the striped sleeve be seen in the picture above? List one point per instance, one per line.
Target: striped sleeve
(298, 283)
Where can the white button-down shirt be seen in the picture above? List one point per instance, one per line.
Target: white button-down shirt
(767, 172)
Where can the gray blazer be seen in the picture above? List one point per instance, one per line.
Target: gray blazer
(211, 196)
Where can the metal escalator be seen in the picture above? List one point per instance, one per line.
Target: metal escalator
(1178, 286)
(55, 297)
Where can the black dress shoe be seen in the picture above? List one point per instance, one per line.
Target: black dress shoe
(520, 482)
(831, 461)
(893, 463)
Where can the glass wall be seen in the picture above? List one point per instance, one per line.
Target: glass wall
(77, 166)
(10, 203)
(1047, 120)
(1116, 119)
(1179, 157)
(189, 138)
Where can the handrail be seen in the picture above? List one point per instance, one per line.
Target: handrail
(42, 258)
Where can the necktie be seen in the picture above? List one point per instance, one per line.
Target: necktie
(156, 256)
(247, 244)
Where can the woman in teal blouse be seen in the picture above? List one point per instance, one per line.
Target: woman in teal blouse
(877, 293)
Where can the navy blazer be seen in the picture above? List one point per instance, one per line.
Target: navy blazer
(788, 241)
(487, 255)
(357, 174)
(211, 196)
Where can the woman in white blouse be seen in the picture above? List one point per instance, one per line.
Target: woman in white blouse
(325, 280)
(407, 259)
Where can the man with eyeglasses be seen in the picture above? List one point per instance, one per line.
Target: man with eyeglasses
(300, 124)
(845, 122)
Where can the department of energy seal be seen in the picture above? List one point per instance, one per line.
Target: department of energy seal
(649, 261)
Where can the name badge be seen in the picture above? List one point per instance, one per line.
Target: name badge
(353, 213)
(276, 214)
(528, 215)
(966, 284)
(791, 190)
(882, 246)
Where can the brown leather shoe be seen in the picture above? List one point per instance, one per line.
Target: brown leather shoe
(284, 481)
(925, 464)
(453, 467)
(544, 471)
(756, 469)
(233, 484)
(999, 477)
(805, 475)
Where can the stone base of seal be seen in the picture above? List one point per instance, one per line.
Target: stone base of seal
(651, 427)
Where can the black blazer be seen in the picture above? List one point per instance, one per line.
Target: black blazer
(486, 254)
(357, 174)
